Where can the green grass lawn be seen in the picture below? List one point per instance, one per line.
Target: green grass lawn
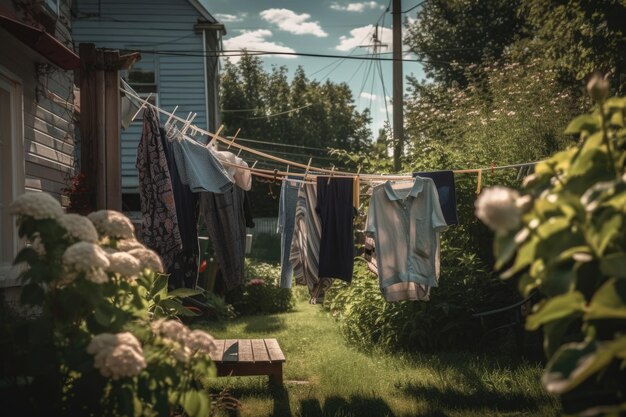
(326, 377)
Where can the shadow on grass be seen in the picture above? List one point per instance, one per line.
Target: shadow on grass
(355, 406)
(454, 399)
(263, 324)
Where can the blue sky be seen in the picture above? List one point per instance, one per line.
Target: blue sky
(332, 27)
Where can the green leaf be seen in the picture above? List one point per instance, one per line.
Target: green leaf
(574, 363)
(177, 307)
(553, 333)
(160, 284)
(586, 122)
(603, 229)
(28, 255)
(558, 279)
(614, 265)
(195, 403)
(183, 292)
(557, 308)
(609, 302)
(617, 119)
(525, 256)
(504, 248)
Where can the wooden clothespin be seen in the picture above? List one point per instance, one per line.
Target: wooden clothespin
(331, 175)
(356, 190)
(238, 153)
(234, 137)
(306, 171)
(275, 174)
(169, 119)
(187, 125)
(479, 183)
(143, 104)
(215, 136)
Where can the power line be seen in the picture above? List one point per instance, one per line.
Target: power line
(281, 113)
(229, 53)
(238, 139)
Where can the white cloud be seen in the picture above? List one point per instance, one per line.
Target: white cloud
(369, 96)
(357, 7)
(230, 18)
(255, 40)
(363, 36)
(292, 22)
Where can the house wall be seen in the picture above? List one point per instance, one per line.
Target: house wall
(155, 25)
(46, 122)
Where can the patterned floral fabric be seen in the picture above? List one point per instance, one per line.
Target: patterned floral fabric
(159, 229)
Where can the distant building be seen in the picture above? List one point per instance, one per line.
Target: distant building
(177, 40)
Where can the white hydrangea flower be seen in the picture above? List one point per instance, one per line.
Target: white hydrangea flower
(148, 259)
(39, 206)
(88, 258)
(125, 245)
(497, 208)
(84, 256)
(200, 341)
(117, 355)
(79, 227)
(124, 264)
(113, 224)
(171, 329)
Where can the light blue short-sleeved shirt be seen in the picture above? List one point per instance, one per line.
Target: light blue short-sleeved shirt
(199, 168)
(405, 220)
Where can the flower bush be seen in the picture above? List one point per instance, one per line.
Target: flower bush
(104, 339)
(262, 293)
(570, 244)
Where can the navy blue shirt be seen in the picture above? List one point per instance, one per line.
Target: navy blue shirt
(444, 181)
(336, 211)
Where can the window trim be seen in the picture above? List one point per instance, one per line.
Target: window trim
(9, 273)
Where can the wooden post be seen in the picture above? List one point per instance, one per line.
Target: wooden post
(88, 116)
(398, 91)
(100, 123)
(101, 170)
(112, 133)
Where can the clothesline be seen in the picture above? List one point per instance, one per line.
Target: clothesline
(309, 169)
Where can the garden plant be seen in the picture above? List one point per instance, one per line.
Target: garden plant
(95, 332)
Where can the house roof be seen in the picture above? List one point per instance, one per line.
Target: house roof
(199, 6)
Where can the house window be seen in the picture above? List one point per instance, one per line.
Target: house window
(11, 169)
(142, 77)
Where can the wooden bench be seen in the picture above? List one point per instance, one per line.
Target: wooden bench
(244, 357)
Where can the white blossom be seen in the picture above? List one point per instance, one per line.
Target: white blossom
(125, 245)
(39, 206)
(88, 258)
(598, 87)
(200, 341)
(79, 227)
(148, 259)
(124, 264)
(497, 208)
(113, 224)
(117, 355)
(171, 329)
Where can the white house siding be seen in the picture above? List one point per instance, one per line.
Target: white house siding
(48, 126)
(161, 25)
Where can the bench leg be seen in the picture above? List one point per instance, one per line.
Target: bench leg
(276, 375)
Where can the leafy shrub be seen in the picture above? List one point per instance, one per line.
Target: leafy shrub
(445, 322)
(93, 345)
(262, 293)
(567, 239)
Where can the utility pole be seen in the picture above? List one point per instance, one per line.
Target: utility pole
(398, 91)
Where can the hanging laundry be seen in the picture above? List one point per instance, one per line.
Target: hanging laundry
(197, 165)
(159, 228)
(184, 269)
(444, 181)
(405, 222)
(235, 169)
(226, 225)
(403, 291)
(336, 212)
(286, 223)
(305, 245)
